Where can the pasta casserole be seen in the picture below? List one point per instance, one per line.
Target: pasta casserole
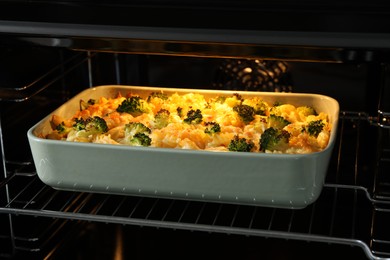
(193, 121)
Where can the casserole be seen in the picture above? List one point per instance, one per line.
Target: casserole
(273, 180)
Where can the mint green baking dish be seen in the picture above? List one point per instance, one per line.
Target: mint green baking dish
(271, 180)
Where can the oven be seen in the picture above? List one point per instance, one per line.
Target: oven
(52, 50)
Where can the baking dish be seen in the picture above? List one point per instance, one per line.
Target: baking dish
(273, 180)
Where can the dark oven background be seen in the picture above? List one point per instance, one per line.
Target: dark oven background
(45, 63)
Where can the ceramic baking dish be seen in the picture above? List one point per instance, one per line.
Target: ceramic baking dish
(273, 180)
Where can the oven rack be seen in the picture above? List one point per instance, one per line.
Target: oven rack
(343, 214)
(346, 213)
(42, 236)
(52, 75)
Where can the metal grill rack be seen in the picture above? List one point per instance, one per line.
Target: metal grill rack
(353, 209)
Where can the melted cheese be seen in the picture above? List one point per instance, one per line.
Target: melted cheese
(178, 134)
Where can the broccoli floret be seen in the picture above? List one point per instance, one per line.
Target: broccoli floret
(261, 108)
(86, 104)
(306, 110)
(245, 112)
(133, 128)
(90, 126)
(238, 144)
(277, 122)
(62, 129)
(133, 105)
(179, 111)
(140, 139)
(314, 128)
(274, 139)
(161, 119)
(79, 124)
(193, 117)
(160, 95)
(137, 134)
(96, 124)
(212, 128)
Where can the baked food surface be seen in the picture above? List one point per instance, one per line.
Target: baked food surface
(192, 121)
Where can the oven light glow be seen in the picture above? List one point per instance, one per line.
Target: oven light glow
(248, 70)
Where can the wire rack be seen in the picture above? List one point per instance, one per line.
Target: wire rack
(353, 209)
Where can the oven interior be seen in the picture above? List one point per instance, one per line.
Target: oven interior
(351, 217)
